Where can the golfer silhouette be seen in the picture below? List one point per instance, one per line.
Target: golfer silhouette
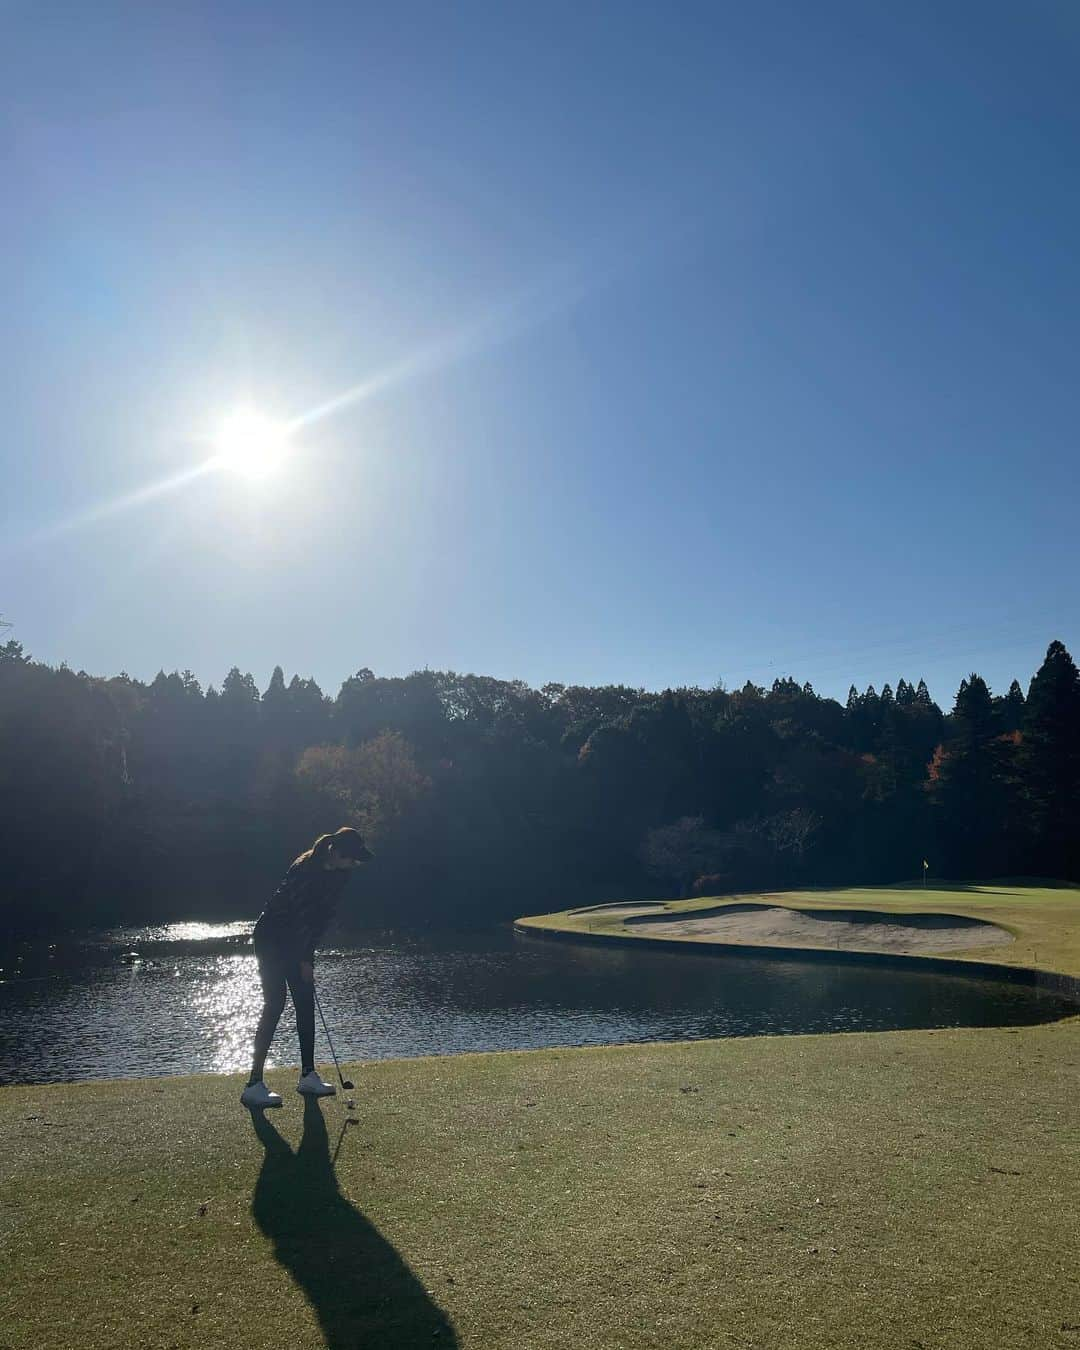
(285, 936)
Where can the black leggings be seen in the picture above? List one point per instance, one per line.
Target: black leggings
(279, 970)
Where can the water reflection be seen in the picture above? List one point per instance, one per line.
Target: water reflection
(188, 999)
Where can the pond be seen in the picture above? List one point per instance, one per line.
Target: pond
(85, 1007)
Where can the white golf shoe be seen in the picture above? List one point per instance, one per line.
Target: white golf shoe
(311, 1085)
(257, 1096)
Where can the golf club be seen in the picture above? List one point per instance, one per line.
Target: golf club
(346, 1084)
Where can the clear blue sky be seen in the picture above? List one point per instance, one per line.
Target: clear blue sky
(720, 340)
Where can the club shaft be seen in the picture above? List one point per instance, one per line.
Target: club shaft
(329, 1042)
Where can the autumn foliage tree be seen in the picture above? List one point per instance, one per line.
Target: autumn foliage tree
(372, 785)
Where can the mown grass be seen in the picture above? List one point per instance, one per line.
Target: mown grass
(901, 1189)
(1045, 920)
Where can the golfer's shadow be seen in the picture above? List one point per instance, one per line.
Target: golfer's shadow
(363, 1293)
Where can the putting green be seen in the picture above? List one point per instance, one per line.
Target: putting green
(1043, 921)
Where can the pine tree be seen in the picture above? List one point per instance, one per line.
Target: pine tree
(275, 708)
(971, 785)
(240, 689)
(275, 690)
(870, 718)
(238, 707)
(309, 711)
(1050, 762)
(1010, 710)
(973, 715)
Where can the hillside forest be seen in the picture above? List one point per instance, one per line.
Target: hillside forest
(125, 801)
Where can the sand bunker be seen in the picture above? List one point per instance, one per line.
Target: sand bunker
(846, 930)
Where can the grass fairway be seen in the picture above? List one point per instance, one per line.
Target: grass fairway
(901, 1189)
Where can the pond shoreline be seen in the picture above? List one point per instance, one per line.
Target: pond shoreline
(1052, 981)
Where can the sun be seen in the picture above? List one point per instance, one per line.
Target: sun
(251, 444)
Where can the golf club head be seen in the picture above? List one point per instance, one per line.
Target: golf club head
(347, 1085)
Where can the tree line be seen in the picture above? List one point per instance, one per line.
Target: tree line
(486, 798)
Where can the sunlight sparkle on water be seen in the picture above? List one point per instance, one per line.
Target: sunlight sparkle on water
(192, 930)
(226, 996)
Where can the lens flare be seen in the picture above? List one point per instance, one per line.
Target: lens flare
(251, 444)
